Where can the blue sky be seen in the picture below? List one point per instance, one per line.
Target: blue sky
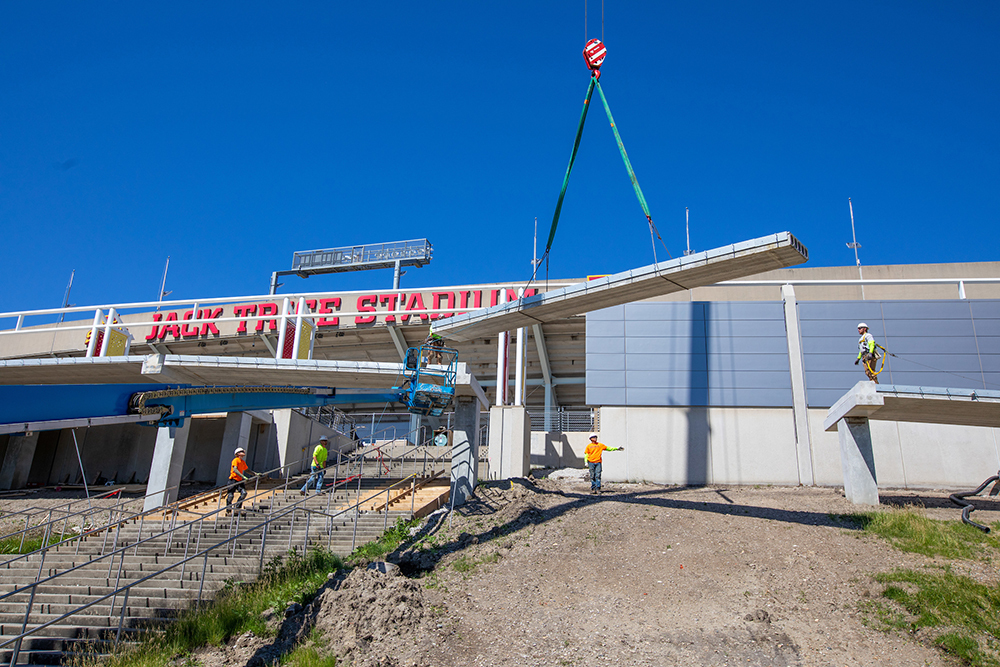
(228, 135)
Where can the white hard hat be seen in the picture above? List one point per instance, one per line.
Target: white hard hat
(240, 450)
(862, 325)
(323, 438)
(593, 435)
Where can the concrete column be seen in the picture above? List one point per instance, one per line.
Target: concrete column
(167, 466)
(510, 442)
(857, 460)
(464, 448)
(237, 434)
(293, 433)
(800, 407)
(414, 434)
(17, 461)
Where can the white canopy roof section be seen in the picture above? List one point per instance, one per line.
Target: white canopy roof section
(697, 270)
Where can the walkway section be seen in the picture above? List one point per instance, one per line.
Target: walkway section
(748, 258)
(866, 400)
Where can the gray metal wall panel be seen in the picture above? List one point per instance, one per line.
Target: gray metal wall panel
(605, 362)
(660, 328)
(919, 310)
(991, 362)
(761, 328)
(613, 314)
(985, 309)
(759, 398)
(666, 379)
(606, 345)
(663, 311)
(748, 362)
(605, 379)
(758, 379)
(605, 395)
(598, 328)
(684, 363)
(848, 312)
(987, 327)
(665, 345)
(756, 345)
(929, 328)
(666, 396)
(931, 347)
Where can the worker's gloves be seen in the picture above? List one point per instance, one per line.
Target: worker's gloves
(856, 361)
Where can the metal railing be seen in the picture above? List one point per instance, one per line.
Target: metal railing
(230, 543)
(565, 420)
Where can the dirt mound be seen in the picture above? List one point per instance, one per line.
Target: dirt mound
(375, 619)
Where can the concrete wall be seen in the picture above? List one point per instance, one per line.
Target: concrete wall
(757, 446)
(558, 449)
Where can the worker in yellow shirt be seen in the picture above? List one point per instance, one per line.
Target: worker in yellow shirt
(593, 455)
(239, 473)
(318, 467)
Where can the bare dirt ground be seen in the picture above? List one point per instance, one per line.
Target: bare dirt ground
(542, 573)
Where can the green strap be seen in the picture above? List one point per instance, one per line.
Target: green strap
(621, 149)
(572, 158)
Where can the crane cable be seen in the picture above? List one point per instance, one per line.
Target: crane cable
(594, 54)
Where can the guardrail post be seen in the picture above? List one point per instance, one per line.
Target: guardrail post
(305, 540)
(121, 620)
(92, 343)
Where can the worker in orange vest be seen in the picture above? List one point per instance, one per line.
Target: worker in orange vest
(593, 456)
(239, 473)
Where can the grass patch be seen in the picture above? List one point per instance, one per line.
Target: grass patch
(964, 614)
(13, 545)
(908, 530)
(390, 540)
(238, 608)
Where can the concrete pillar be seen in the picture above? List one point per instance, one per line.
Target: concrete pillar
(857, 460)
(414, 433)
(237, 434)
(17, 461)
(800, 407)
(510, 442)
(464, 448)
(167, 466)
(293, 436)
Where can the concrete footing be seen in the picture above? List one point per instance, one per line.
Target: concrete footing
(510, 442)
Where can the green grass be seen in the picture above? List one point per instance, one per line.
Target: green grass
(12, 545)
(390, 540)
(965, 613)
(238, 608)
(907, 530)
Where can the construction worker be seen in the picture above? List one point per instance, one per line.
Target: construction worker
(318, 467)
(435, 342)
(593, 455)
(239, 473)
(867, 352)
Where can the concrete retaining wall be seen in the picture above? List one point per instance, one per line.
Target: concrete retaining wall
(757, 446)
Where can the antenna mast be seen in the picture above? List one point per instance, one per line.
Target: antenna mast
(163, 284)
(62, 316)
(687, 230)
(854, 245)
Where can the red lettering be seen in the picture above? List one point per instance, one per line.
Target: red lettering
(363, 307)
(187, 331)
(448, 297)
(530, 292)
(416, 303)
(389, 300)
(244, 311)
(478, 302)
(463, 300)
(267, 309)
(324, 307)
(207, 327)
(494, 297)
(174, 330)
(157, 317)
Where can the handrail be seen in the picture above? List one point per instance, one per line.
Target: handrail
(263, 526)
(120, 519)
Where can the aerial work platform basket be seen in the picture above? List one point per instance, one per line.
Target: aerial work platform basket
(430, 372)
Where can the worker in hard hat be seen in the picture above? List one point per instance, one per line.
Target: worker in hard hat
(593, 455)
(239, 473)
(317, 467)
(867, 352)
(434, 343)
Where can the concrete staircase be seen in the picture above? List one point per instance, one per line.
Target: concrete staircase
(295, 522)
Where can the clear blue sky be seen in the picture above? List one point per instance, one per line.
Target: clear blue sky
(228, 135)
